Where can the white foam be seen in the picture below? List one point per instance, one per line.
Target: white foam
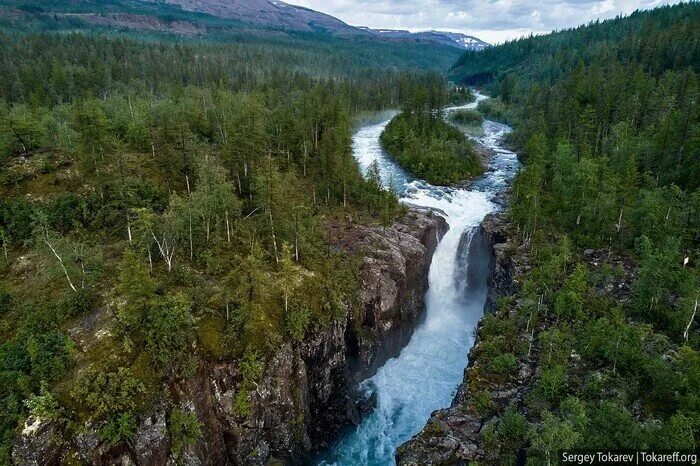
(425, 375)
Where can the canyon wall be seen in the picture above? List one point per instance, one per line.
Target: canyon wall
(307, 390)
(454, 435)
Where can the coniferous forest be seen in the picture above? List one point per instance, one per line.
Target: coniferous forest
(180, 188)
(177, 193)
(607, 120)
(422, 141)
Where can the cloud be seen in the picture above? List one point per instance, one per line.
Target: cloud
(491, 20)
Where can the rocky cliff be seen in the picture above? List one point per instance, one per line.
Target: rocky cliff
(454, 435)
(306, 392)
(500, 398)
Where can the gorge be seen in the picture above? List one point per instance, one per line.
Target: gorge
(246, 233)
(427, 371)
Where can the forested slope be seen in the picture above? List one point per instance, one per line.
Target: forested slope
(317, 51)
(164, 203)
(605, 218)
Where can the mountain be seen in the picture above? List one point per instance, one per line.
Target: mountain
(202, 17)
(269, 13)
(454, 39)
(272, 13)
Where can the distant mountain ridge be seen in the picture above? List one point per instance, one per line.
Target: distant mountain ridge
(454, 39)
(202, 17)
(270, 13)
(273, 13)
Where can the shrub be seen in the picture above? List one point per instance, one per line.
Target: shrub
(296, 322)
(503, 440)
(170, 331)
(503, 364)
(552, 382)
(496, 109)
(5, 302)
(43, 405)
(105, 395)
(120, 428)
(184, 430)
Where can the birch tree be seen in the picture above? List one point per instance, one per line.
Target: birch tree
(70, 255)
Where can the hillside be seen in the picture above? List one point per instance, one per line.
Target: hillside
(182, 238)
(643, 38)
(441, 37)
(269, 13)
(224, 20)
(592, 340)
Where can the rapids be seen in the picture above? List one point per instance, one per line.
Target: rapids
(425, 375)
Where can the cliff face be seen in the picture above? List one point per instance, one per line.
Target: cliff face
(453, 435)
(307, 390)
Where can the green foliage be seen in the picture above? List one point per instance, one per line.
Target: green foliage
(496, 110)
(613, 340)
(5, 302)
(660, 276)
(297, 322)
(17, 219)
(554, 435)
(49, 355)
(605, 119)
(482, 403)
(51, 67)
(460, 95)
(241, 404)
(169, 332)
(44, 405)
(251, 370)
(503, 364)
(552, 383)
(431, 148)
(422, 142)
(504, 439)
(185, 430)
(120, 428)
(569, 299)
(22, 129)
(556, 345)
(466, 117)
(108, 395)
(676, 433)
(613, 427)
(137, 285)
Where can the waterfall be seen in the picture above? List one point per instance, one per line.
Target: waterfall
(426, 374)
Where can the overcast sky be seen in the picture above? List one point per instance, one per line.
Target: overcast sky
(491, 20)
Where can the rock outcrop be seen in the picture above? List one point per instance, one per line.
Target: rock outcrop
(307, 390)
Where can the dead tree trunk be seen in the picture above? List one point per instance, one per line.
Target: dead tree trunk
(690, 322)
(60, 261)
(166, 251)
(274, 238)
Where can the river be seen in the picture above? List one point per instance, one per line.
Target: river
(425, 376)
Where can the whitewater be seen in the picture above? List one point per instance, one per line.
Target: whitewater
(427, 372)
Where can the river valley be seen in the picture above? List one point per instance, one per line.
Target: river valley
(425, 375)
